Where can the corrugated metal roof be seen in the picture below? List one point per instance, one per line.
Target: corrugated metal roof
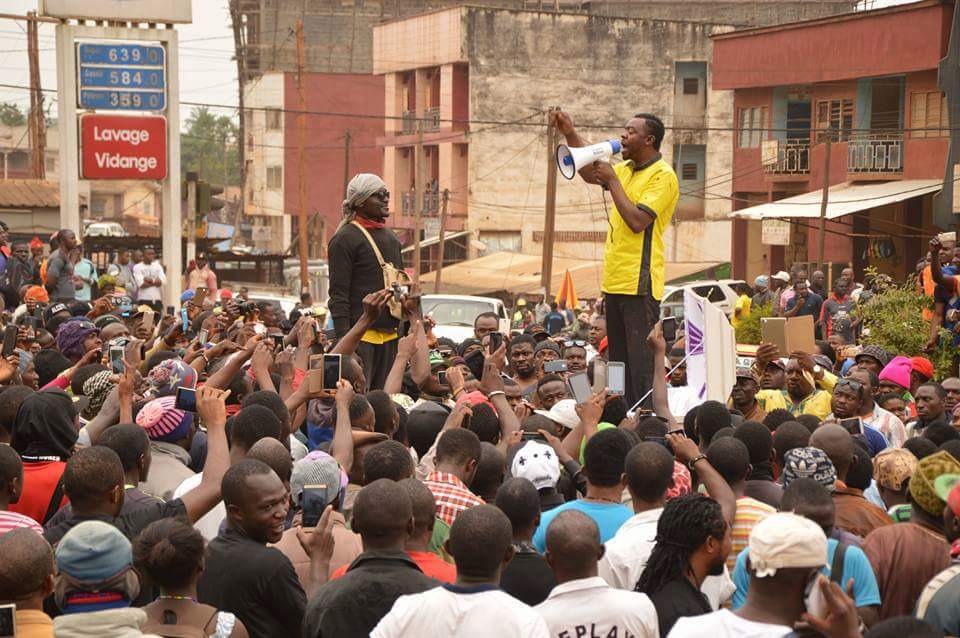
(29, 193)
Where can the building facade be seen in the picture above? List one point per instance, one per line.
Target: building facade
(477, 81)
(868, 82)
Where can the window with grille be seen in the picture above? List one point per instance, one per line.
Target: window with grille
(752, 126)
(274, 177)
(274, 120)
(928, 110)
(691, 86)
(688, 172)
(836, 115)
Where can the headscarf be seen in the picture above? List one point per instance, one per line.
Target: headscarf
(165, 377)
(71, 335)
(359, 190)
(36, 293)
(44, 426)
(96, 389)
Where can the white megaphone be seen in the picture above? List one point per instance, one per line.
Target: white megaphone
(570, 160)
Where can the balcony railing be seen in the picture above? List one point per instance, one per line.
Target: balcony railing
(431, 203)
(789, 158)
(875, 153)
(431, 119)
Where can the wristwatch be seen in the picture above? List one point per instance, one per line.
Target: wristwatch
(695, 460)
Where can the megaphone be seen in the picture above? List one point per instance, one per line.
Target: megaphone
(570, 160)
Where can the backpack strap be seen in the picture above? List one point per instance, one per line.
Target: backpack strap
(55, 501)
(373, 244)
(836, 567)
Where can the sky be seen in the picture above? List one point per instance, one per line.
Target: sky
(208, 72)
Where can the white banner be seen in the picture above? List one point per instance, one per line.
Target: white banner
(711, 349)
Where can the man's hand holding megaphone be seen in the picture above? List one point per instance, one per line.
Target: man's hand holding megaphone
(576, 156)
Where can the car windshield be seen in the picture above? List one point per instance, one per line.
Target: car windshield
(449, 312)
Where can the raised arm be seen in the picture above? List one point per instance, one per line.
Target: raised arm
(686, 451)
(661, 405)
(212, 409)
(372, 307)
(406, 349)
(564, 124)
(341, 448)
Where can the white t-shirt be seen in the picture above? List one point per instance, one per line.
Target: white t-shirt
(626, 556)
(681, 399)
(209, 523)
(590, 607)
(449, 611)
(153, 270)
(725, 624)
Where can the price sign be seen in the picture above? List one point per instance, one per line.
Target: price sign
(121, 77)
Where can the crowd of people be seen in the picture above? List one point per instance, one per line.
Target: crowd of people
(196, 473)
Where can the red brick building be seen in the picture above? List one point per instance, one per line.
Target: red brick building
(870, 78)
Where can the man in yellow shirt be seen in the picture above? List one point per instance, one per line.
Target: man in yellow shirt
(645, 190)
(808, 388)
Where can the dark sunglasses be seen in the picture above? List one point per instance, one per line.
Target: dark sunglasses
(855, 386)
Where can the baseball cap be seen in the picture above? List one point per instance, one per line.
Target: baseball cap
(54, 309)
(782, 276)
(785, 540)
(538, 463)
(563, 412)
(315, 471)
(875, 352)
(93, 551)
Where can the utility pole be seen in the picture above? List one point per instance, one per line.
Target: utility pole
(417, 199)
(442, 238)
(322, 221)
(240, 46)
(35, 121)
(550, 208)
(346, 162)
(302, 185)
(825, 198)
(191, 215)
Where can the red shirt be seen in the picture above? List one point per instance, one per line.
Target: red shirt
(39, 481)
(428, 562)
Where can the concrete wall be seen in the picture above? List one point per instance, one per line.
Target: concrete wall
(264, 149)
(520, 61)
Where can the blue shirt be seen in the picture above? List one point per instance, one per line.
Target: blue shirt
(855, 566)
(554, 322)
(876, 442)
(608, 517)
(811, 306)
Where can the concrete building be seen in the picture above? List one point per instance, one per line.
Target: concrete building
(491, 66)
(340, 78)
(871, 79)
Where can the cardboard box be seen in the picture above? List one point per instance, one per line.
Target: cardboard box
(793, 334)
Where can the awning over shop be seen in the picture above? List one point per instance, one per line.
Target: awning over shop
(843, 199)
(516, 273)
(436, 240)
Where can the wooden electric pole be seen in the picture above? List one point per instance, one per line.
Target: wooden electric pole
(302, 245)
(35, 121)
(417, 199)
(346, 162)
(550, 209)
(825, 198)
(441, 239)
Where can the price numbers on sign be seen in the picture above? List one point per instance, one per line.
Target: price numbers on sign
(125, 54)
(122, 77)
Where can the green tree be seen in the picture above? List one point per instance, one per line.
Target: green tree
(11, 115)
(749, 329)
(202, 147)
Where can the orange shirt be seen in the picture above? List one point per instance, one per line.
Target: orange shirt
(428, 562)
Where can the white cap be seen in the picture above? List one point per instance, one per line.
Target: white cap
(538, 463)
(782, 276)
(563, 412)
(784, 540)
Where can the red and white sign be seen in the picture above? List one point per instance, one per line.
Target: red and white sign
(123, 147)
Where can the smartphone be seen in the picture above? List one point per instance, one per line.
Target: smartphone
(116, 360)
(496, 340)
(186, 399)
(8, 621)
(313, 502)
(332, 364)
(9, 340)
(259, 328)
(278, 342)
(315, 373)
(852, 425)
(185, 320)
(442, 377)
(579, 387)
(532, 436)
(148, 318)
(616, 378)
(555, 366)
(669, 325)
(599, 374)
(475, 361)
(202, 336)
(170, 311)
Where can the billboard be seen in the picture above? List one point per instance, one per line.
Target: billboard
(119, 10)
(123, 147)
